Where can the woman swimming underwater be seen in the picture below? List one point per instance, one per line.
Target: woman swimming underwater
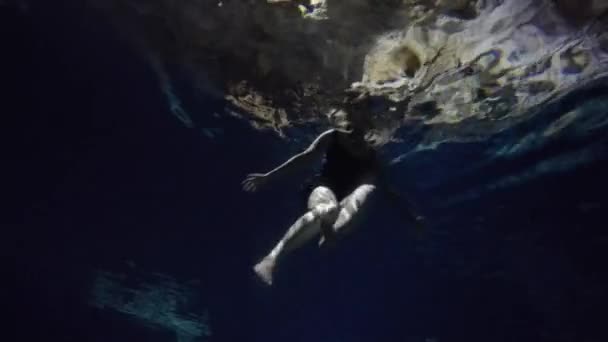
(350, 173)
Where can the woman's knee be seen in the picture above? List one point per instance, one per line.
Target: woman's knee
(321, 195)
(365, 190)
(360, 195)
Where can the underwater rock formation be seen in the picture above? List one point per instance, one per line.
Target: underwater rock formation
(459, 70)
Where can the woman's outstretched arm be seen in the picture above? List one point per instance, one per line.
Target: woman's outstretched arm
(313, 153)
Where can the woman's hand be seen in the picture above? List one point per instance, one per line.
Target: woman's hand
(253, 181)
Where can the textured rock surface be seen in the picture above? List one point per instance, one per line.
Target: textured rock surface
(441, 64)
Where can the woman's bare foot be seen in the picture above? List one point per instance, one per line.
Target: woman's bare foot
(264, 269)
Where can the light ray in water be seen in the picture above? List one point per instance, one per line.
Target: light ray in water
(158, 300)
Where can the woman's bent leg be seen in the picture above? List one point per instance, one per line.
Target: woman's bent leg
(351, 207)
(323, 207)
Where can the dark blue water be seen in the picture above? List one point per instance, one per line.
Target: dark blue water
(98, 175)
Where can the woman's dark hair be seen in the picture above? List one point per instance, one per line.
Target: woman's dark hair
(356, 113)
(340, 119)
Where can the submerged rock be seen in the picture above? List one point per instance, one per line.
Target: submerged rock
(285, 63)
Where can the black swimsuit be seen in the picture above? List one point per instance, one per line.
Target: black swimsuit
(341, 171)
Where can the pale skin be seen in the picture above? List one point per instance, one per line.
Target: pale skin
(326, 217)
